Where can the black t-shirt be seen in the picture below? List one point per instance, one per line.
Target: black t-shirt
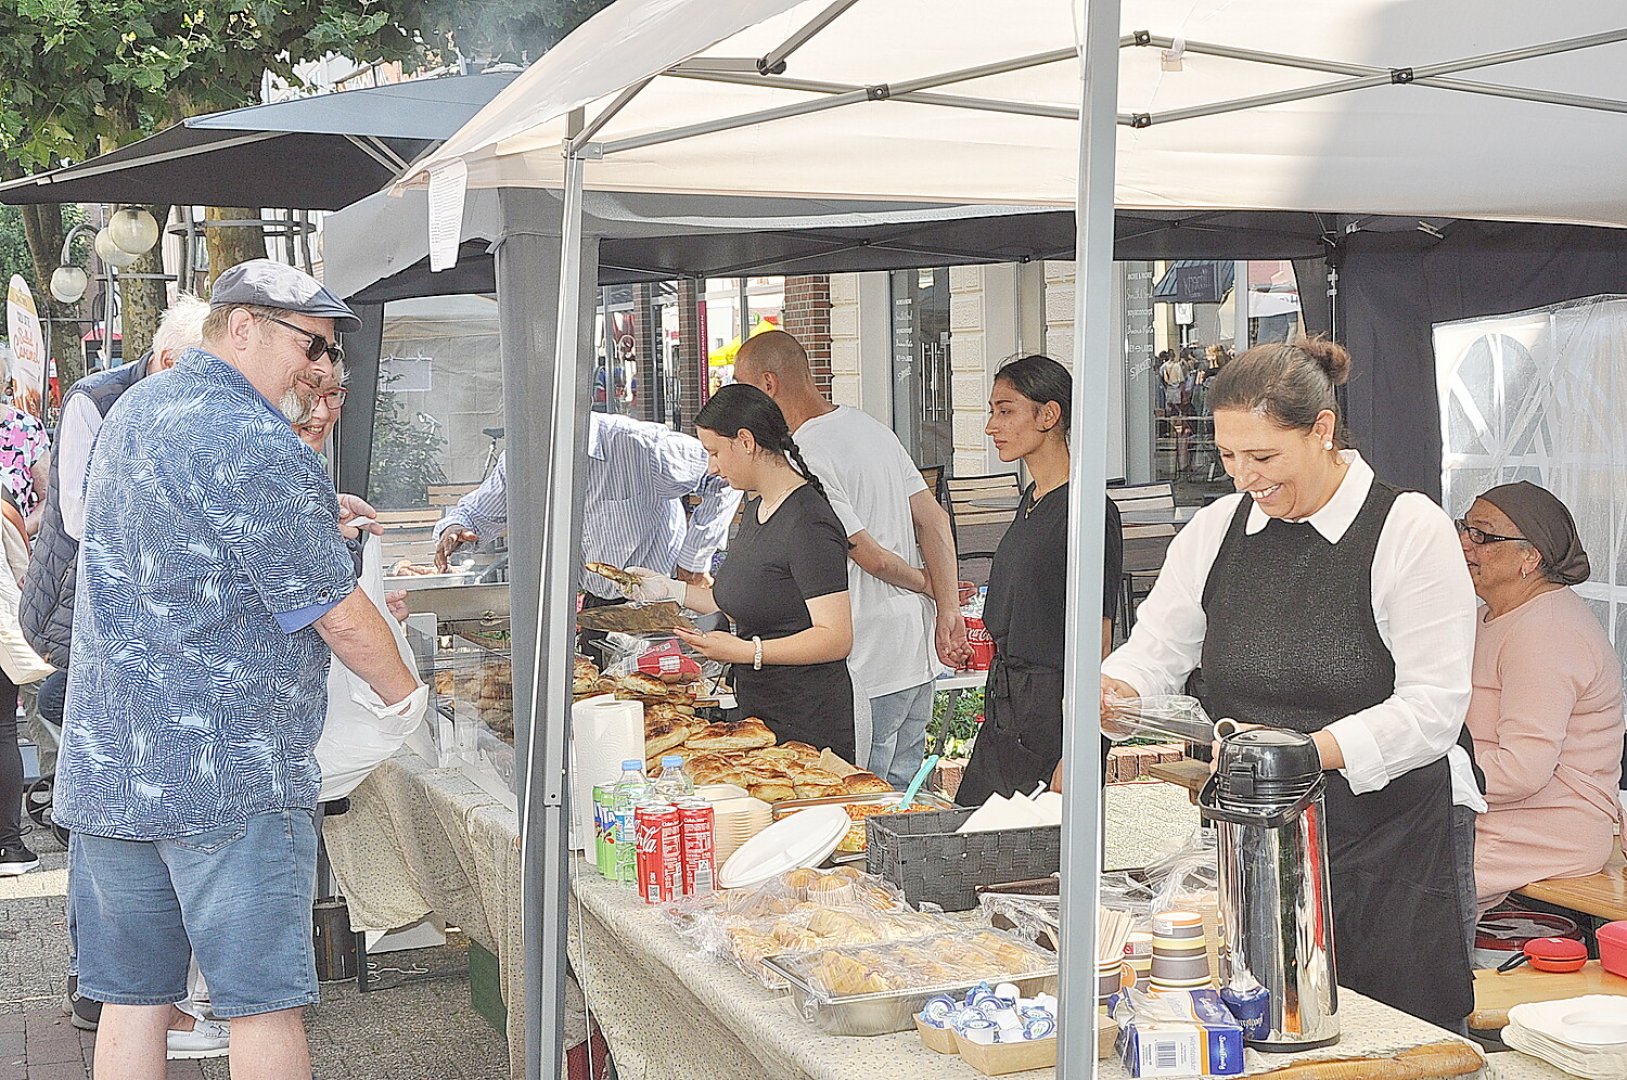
(1026, 607)
(773, 568)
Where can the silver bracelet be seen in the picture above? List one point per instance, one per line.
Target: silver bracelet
(756, 653)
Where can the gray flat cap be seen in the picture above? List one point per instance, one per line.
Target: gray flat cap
(264, 283)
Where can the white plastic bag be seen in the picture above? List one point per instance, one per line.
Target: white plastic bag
(361, 730)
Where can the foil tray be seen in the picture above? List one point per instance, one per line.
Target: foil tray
(886, 1012)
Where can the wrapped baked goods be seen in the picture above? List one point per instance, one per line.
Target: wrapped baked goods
(799, 911)
(939, 961)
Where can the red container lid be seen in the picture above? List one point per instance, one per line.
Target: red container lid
(1555, 948)
(1615, 933)
(1508, 931)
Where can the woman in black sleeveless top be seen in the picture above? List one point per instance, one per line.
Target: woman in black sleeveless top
(1020, 742)
(1324, 601)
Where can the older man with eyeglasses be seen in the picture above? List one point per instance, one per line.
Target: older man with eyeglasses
(214, 589)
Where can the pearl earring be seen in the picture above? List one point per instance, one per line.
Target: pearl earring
(1328, 445)
(1525, 571)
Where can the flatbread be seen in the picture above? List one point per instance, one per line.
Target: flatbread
(614, 574)
(773, 791)
(633, 618)
(733, 735)
(863, 783)
(661, 735)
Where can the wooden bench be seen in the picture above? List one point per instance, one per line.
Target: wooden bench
(1185, 773)
(1602, 895)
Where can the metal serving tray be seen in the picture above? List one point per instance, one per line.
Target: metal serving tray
(887, 1012)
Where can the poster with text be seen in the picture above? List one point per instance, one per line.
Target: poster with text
(27, 347)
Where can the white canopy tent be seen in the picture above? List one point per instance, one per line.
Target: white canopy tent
(1412, 107)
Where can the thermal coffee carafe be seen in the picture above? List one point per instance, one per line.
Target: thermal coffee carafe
(1266, 800)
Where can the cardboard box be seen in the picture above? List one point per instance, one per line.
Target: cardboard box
(1002, 1058)
(1206, 1041)
(938, 1040)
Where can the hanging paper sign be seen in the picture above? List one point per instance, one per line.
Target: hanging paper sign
(447, 186)
(27, 347)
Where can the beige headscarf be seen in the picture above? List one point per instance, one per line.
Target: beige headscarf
(1545, 521)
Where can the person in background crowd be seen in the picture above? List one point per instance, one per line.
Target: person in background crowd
(638, 475)
(1170, 377)
(23, 448)
(19, 666)
(211, 537)
(784, 583)
(895, 526)
(1320, 600)
(1020, 743)
(1545, 713)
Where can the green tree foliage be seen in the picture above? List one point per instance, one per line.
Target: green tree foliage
(14, 246)
(406, 454)
(502, 31)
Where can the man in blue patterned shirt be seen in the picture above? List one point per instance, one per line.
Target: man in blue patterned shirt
(214, 588)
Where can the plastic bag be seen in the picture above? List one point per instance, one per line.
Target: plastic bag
(1176, 717)
(663, 656)
(361, 730)
(947, 960)
(796, 912)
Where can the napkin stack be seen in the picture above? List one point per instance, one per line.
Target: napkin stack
(1017, 812)
(1585, 1036)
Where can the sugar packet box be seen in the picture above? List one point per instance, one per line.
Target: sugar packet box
(1194, 1035)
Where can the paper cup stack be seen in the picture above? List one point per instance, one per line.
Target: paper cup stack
(1180, 957)
(1138, 954)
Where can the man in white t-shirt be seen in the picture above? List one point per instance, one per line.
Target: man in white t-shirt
(902, 552)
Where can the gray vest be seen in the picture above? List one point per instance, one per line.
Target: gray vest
(46, 611)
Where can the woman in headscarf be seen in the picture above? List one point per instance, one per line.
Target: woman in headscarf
(1545, 712)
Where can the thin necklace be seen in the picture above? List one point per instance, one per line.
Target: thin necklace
(765, 511)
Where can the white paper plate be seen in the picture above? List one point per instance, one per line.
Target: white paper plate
(804, 839)
(1591, 1022)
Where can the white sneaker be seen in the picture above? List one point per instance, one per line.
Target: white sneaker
(207, 1039)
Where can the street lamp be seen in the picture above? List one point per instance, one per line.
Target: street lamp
(128, 234)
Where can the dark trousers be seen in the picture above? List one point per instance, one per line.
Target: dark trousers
(11, 767)
(54, 696)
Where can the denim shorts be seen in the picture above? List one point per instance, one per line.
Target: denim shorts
(239, 897)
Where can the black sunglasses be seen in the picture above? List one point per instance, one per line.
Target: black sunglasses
(317, 345)
(1481, 536)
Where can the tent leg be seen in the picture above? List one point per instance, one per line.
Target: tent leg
(1095, 351)
(546, 417)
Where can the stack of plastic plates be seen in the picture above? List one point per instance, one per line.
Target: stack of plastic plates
(734, 821)
(805, 838)
(1585, 1036)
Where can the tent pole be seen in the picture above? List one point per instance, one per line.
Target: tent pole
(1094, 355)
(775, 57)
(544, 832)
(819, 86)
(1240, 341)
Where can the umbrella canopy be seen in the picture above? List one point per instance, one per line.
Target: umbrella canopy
(310, 153)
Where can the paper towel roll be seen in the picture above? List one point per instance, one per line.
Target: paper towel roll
(604, 733)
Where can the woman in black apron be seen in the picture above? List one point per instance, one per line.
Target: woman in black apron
(1020, 742)
(1323, 601)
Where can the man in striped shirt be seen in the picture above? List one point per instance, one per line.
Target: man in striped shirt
(638, 474)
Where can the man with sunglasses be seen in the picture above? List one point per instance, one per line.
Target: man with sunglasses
(214, 588)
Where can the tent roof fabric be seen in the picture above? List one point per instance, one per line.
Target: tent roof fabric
(313, 153)
(1425, 142)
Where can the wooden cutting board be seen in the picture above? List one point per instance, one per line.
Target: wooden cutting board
(1495, 994)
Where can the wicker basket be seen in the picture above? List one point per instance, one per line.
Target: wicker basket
(924, 856)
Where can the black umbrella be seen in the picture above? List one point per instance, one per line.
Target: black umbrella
(312, 153)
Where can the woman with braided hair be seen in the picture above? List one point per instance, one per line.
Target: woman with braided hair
(784, 584)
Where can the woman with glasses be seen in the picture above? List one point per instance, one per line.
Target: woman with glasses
(1546, 709)
(1321, 600)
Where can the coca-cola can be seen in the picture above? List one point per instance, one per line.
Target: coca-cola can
(700, 864)
(660, 851)
(982, 643)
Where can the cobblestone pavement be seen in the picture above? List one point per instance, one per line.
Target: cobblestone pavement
(418, 1030)
(422, 1030)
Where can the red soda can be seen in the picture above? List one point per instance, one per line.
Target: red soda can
(982, 643)
(695, 824)
(659, 851)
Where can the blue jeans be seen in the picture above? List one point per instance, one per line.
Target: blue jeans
(238, 897)
(898, 723)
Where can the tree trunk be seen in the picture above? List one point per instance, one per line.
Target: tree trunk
(143, 300)
(233, 244)
(42, 225)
